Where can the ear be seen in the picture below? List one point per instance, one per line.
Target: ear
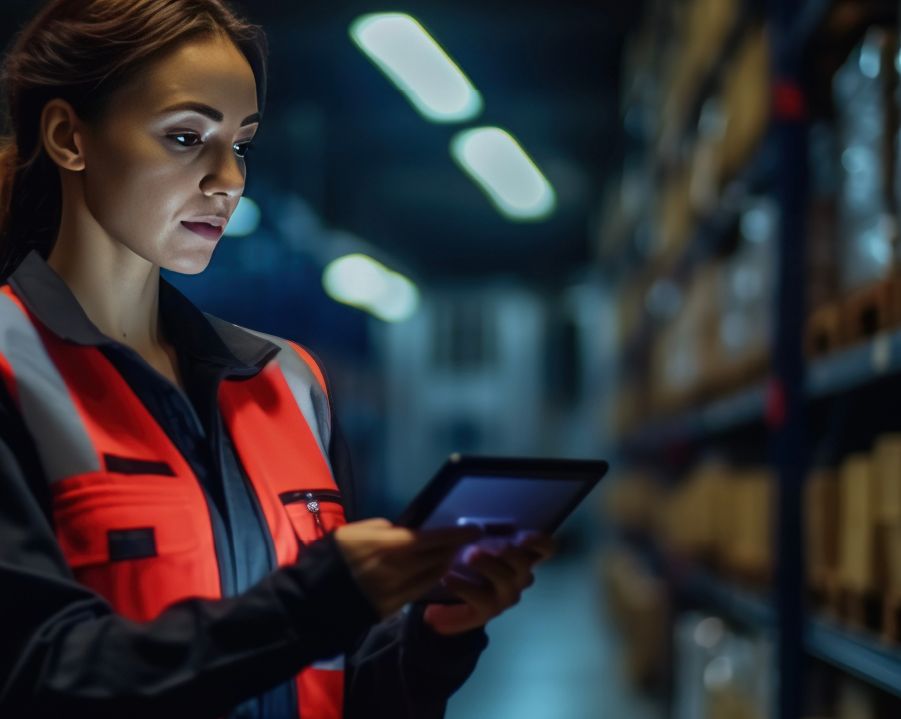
(62, 135)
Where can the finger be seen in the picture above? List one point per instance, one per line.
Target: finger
(391, 538)
(542, 544)
(520, 560)
(482, 597)
(376, 522)
(416, 585)
(393, 590)
(446, 536)
(413, 562)
(492, 568)
(452, 618)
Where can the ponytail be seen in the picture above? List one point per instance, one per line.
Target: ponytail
(31, 205)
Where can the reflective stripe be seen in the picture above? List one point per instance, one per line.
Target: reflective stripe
(308, 392)
(332, 665)
(52, 419)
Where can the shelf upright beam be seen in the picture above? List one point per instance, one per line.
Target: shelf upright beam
(785, 401)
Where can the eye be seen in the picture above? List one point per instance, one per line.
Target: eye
(190, 135)
(242, 148)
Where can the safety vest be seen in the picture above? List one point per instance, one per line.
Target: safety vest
(130, 514)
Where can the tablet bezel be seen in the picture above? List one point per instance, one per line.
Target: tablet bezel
(457, 466)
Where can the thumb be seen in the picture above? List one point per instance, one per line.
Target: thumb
(450, 618)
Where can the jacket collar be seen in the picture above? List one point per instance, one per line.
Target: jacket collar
(203, 336)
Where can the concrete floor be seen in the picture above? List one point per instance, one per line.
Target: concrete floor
(553, 656)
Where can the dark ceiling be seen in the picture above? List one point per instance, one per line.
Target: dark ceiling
(337, 133)
(344, 138)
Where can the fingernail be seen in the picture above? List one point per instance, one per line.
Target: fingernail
(526, 536)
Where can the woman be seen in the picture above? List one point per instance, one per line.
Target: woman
(172, 487)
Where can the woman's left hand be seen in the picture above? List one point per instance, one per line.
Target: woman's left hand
(506, 570)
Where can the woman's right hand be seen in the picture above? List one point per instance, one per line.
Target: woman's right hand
(395, 565)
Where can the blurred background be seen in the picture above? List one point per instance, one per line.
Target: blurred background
(663, 233)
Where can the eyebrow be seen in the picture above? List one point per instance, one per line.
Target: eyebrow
(208, 111)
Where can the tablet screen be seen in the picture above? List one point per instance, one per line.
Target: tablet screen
(504, 504)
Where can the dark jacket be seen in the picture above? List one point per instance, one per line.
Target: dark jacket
(65, 652)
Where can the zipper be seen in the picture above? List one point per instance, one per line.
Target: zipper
(312, 498)
(221, 543)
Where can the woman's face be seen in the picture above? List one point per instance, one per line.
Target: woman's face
(169, 150)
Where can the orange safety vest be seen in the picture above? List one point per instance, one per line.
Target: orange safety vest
(115, 475)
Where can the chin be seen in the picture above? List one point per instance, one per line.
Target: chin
(188, 262)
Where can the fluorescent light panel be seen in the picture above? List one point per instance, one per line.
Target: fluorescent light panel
(403, 50)
(495, 160)
(360, 281)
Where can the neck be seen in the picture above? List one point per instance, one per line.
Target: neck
(117, 289)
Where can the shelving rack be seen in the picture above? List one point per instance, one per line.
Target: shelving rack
(780, 402)
(856, 653)
(852, 368)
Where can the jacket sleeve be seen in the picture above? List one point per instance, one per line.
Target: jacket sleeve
(400, 668)
(66, 653)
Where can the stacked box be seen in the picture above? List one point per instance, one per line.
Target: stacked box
(887, 477)
(857, 511)
(821, 520)
(675, 218)
(684, 348)
(690, 519)
(745, 100)
(632, 501)
(701, 30)
(751, 552)
(639, 604)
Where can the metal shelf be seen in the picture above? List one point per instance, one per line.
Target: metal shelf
(855, 367)
(808, 19)
(751, 610)
(721, 415)
(862, 655)
(843, 371)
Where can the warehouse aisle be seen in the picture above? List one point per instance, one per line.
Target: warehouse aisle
(552, 657)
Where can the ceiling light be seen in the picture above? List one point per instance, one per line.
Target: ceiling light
(403, 50)
(495, 160)
(360, 281)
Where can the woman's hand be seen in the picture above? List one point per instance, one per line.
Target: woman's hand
(506, 569)
(395, 565)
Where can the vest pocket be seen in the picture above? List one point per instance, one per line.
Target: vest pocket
(313, 512)
(130, 538)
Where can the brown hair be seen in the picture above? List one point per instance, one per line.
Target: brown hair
(82, 51)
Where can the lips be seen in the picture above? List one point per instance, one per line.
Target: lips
(204, 229)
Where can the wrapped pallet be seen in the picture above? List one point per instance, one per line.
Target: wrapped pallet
(720, 674)
(745, 299)
(863, 95)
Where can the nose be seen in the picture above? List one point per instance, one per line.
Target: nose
(226, 173)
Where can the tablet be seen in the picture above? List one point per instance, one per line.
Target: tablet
(501, 496)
